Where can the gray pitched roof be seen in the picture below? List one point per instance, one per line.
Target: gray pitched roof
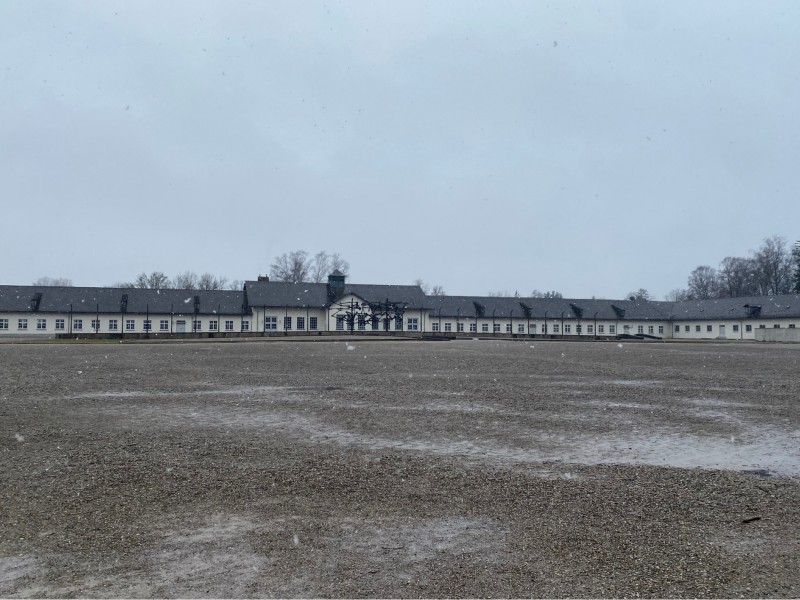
(89, 300)
(410, 295)
(118, 300)
(550, 308)
(286, 294)
(765, 307)
(301, 295)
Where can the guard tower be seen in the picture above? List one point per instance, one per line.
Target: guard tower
(335, 286)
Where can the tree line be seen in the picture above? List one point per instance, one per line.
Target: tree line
(299, 266)
(188, 280)
(157, 280)
(774, 268)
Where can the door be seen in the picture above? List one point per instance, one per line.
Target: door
(180, 326)
(722, 331)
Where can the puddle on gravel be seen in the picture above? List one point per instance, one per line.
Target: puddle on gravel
(245, 392)
(622, 433)
(16, 572)
(634, 382)
(400, 546)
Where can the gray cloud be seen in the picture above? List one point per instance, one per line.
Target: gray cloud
(590, 148)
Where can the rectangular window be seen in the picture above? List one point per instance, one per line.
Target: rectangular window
(270, 323)
(3, 323)
(41, 323)
(163, 325)
(697, 328)
(22, 323)
(590, 329)
(762, 326)
(495, 327)
(612, 329)
(112, 324)
(245, 325)
(776, 326)
(484, 327)
(661, 329)
(567, 328)
(398, 324)
(362, 323)
(544, 329)
(213, 325)
(520, 328)
(287, 323)
(147, 325)
(748, 328)
(77, 324)
(301, 323)
(339, 323)
(312, 322)
(228, 325)
(687, 328)
(95, 325)
(736, 328)
(650, 329)
(60, 324)
(473, 328)
(434, 327)
(375, 323)
(508, 328)
(413, 324)
(460, 328)
(677, 328)
(640, 329)
(448, 327)
(130, 325)
(579, 329)
(197, 325)
(791, 326)
(708, 328)
(601, 329)
(556, 328)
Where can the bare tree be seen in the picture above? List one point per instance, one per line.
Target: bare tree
(207, 281)
(796, 259)
(425, 287)
(550, 294)
(676, 295)
(499, 294)
(339, 264)
(187, 280)
(437, 290)
(293, 266)
(236, 285)
(737, 277)
(703, 283)
(323, 264)
(320, 267)
(774, 266)
(297, 266)
(53, 281)
(640, 294)
(154, 281)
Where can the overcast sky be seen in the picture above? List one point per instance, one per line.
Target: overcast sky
(588, 147)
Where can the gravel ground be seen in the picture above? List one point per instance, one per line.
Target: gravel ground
(399, 469)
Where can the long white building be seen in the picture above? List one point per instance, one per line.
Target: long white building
(264, 308)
